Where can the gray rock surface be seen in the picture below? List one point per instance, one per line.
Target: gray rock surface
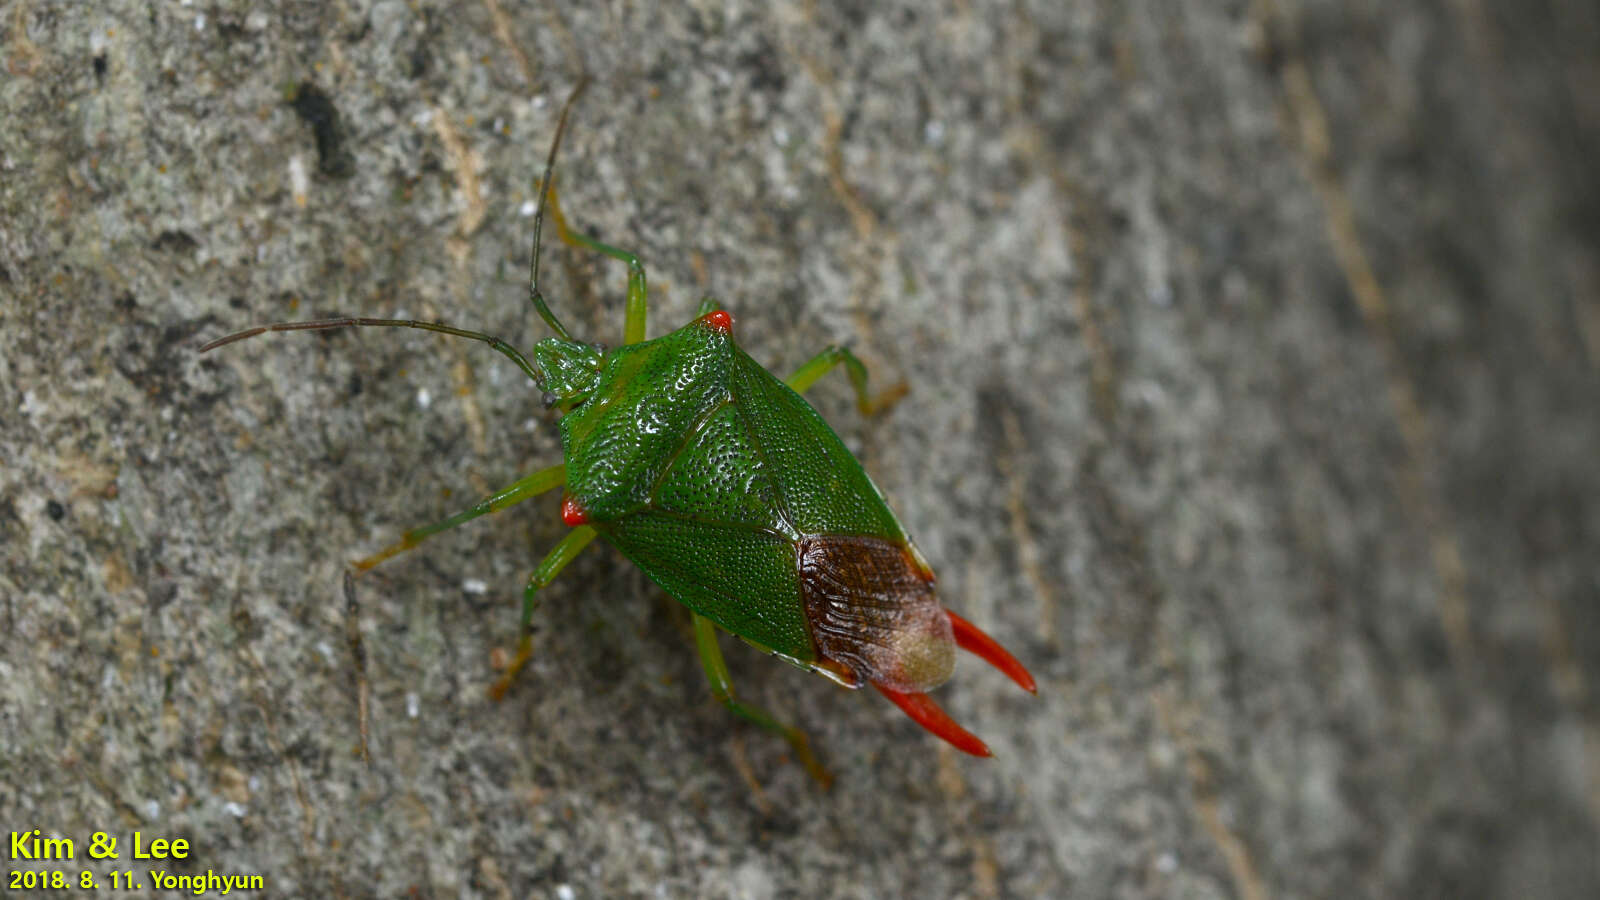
(1254, 354)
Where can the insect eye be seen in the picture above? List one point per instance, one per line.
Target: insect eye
(599, 348)
(548, 399)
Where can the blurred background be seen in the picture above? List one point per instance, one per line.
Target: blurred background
(1254, 366)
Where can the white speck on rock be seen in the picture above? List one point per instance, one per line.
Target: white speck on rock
(299, 180)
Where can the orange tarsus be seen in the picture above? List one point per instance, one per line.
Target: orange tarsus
(971, 639)
(922, 710)
(571, 513)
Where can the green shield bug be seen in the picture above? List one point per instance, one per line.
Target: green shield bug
(730, 492)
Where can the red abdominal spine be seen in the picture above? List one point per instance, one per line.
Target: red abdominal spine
(925, 712)
(921, 708)
(974, 641)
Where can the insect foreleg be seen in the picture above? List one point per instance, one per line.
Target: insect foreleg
(633, 323)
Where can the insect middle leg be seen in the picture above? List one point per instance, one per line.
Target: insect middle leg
(634, 315)
(705, 639)
(531, 486)
(551, 566)
(819, 365)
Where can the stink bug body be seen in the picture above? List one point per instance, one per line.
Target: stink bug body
(731, 492)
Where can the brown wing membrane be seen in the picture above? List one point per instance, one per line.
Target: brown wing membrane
(872, 607)
(873, 612)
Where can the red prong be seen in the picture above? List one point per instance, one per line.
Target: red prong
(972, 639)
(925, 712)
(718, 320)
(571, 513)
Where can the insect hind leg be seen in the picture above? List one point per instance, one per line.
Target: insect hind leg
(705, 639)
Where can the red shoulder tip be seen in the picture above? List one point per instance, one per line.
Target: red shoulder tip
(718, 320)
(571, 513)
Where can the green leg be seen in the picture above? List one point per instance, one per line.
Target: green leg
(819, 365)
(633, 322)
(707, 305)
(705, 639)
(531, 486)
(551, 566)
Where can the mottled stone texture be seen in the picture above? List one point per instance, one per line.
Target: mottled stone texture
(1254, 353)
